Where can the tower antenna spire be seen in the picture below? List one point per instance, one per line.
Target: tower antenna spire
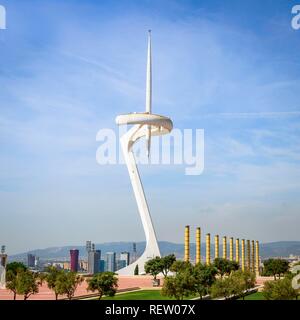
(149, 92)
(149, 76)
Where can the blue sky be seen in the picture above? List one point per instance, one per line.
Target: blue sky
(67, 68)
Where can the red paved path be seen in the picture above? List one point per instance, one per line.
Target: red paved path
(125, 282)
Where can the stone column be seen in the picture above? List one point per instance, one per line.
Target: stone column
(243, 254)
(224, 247)
(187, 244)
(208, 249)
(252, 256)
(248, 256)
(198, 245)
(216, 246)
(231, 249)
(257, 262)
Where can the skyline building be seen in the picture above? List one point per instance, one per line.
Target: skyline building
(30, 260)
(125, 256)
(83, 265)
(134, 253)
(94, 257)
(102, 266)
(36, 262)
(74, 255)
(66, 265)
(88, 246)
(121, 264)
(124, 260)
(110, 261)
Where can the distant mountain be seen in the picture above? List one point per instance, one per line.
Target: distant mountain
(280, 249)
(273, 249)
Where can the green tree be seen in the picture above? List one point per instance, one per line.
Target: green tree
(283, 267)
(242, 281)
(279, 290)
(222, 288)
(51, 278)
(274, 267)
(224, 266)
(233, 285)
(41, 277)
(26, 283)
(232, 266)
(11, 282)
(15, 266)
(179, 266)
(106, 283)
(136, 270)
(166, 264)
(236, 284)
(67, 283)
(12, 269)
(204, 276)
(153, 267)
(181, 285)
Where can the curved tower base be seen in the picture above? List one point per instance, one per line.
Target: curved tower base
(151, 250)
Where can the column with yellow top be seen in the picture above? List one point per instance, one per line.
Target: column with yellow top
(187, 244)
(224, 247)
(216, 246)
(243, 254)
(208, 249)
(198, 245)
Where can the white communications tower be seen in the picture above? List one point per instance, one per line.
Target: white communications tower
(145, 124)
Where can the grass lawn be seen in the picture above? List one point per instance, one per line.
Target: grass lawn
(254, 296)
(140, 295)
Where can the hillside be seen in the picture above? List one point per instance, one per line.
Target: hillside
(273, 249)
